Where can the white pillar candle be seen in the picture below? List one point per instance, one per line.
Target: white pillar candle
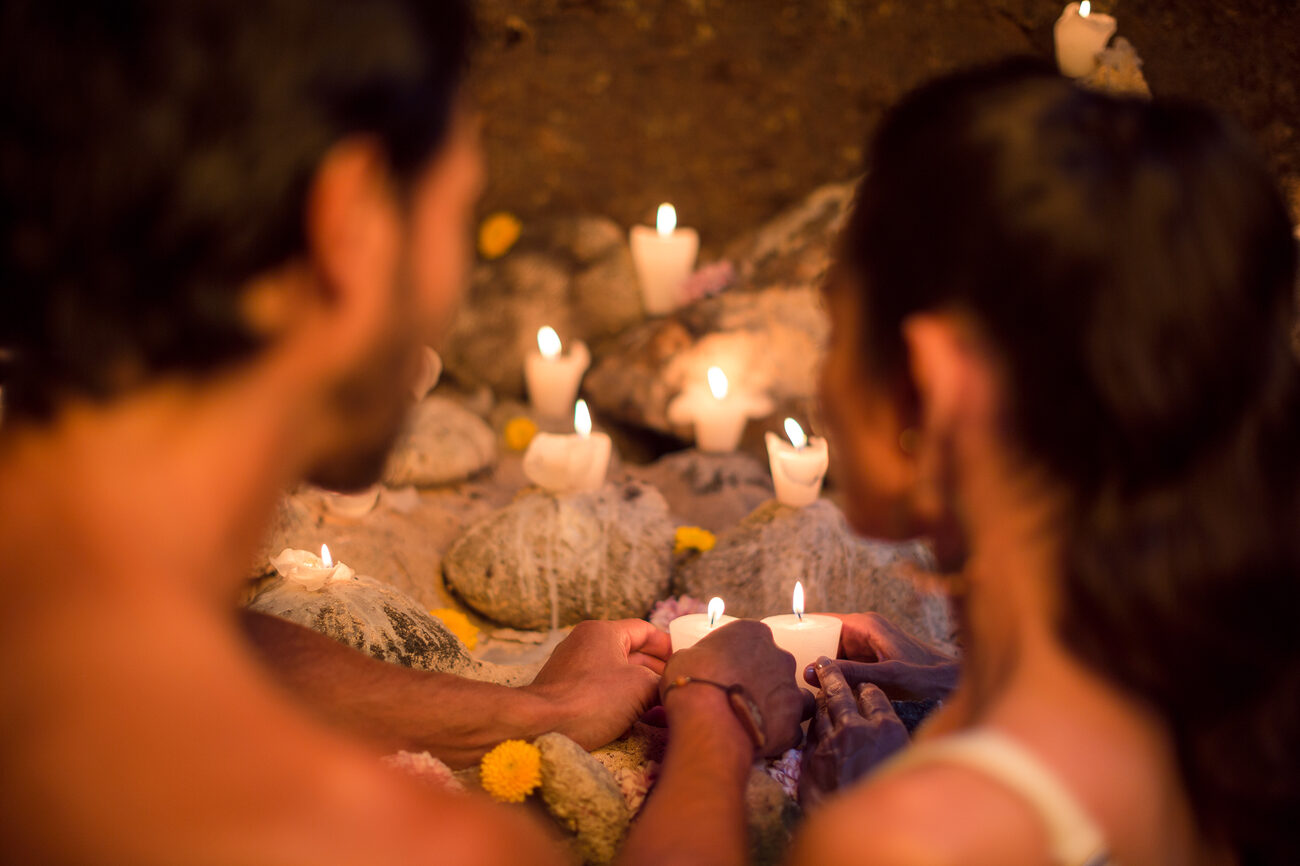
(553, 375)
(798, 466)
(664, 257)
(807, 637)
(1081, 35)
(569, 463)
(308, 570)
(718, 414)
(690, 629)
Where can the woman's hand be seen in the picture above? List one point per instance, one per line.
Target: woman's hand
(744, 653)
(852, 731)
(880, 653)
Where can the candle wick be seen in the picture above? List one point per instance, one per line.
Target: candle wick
(799, 614)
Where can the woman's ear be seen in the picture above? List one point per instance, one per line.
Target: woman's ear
(953, 382)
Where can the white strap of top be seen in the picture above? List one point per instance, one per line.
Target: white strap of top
(1074, 838)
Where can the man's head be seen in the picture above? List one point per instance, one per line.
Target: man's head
(187, 187)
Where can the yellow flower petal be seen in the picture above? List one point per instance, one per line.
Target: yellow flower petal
(511, 771)
(519, 432)
(458, 624)
(498, 234)
(693, 538)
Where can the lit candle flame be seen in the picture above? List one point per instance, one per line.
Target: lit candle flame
(325, 558)
(1085, 8)
(795, 432)
(666, 220)
(798, 599)
(582, 419)
(716, 607)
(548, 342)
(717, 382)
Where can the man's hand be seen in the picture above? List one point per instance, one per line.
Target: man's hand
(602, 678)
(744, 653)
(880, 653)
(852, 731)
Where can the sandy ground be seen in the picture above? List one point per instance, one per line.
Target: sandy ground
(732, 109)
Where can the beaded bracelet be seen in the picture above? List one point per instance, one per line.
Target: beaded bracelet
(746, 711)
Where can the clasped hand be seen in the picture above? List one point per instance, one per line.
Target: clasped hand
(855, 726)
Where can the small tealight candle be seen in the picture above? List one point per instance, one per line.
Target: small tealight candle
(807, 637)
(308, 570)
(1081, 35)
(572, 462)
(719, 414)
(690, 629)
(798, 466)
(664, 257)
(553, 375)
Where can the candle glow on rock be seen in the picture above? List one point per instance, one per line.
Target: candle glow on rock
(716, 608)
(582, 419)
(548, 342)
(796, 434)
(666, 220)
(717, 382)
(1085, 7)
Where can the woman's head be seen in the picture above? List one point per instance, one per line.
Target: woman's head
(1127, 267)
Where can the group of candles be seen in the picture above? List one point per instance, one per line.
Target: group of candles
(806, 636)
(577, 462)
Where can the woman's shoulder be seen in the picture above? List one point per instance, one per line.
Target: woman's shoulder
(924, 815)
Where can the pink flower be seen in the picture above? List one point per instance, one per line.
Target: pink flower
(708, 280)
(669, 609)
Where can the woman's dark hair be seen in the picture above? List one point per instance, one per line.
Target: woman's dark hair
(156, 154)
(1132, 262)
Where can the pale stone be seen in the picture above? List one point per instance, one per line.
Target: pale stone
(574, 274)
(754, 567)
(442, 443)
(712, 491)
(380, 621)
(583, 797)
(550, 560)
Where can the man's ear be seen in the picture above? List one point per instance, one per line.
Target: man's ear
(353, 234)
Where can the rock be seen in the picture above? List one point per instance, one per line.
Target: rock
(713, 491)
(378, 620)
(768, 341)
(402, 548)
(641, 745)
(574, 274)
(754, 566)
(547, 560)
(1118, 72)
(771, 816)
(794, 248)
(443, 443)
(582, 795)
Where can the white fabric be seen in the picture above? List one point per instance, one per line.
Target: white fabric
(1075, 839)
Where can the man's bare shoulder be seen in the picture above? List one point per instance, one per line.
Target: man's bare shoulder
(930, 815)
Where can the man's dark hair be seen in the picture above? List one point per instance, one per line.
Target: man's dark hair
(1132, 265)
(156, 154)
